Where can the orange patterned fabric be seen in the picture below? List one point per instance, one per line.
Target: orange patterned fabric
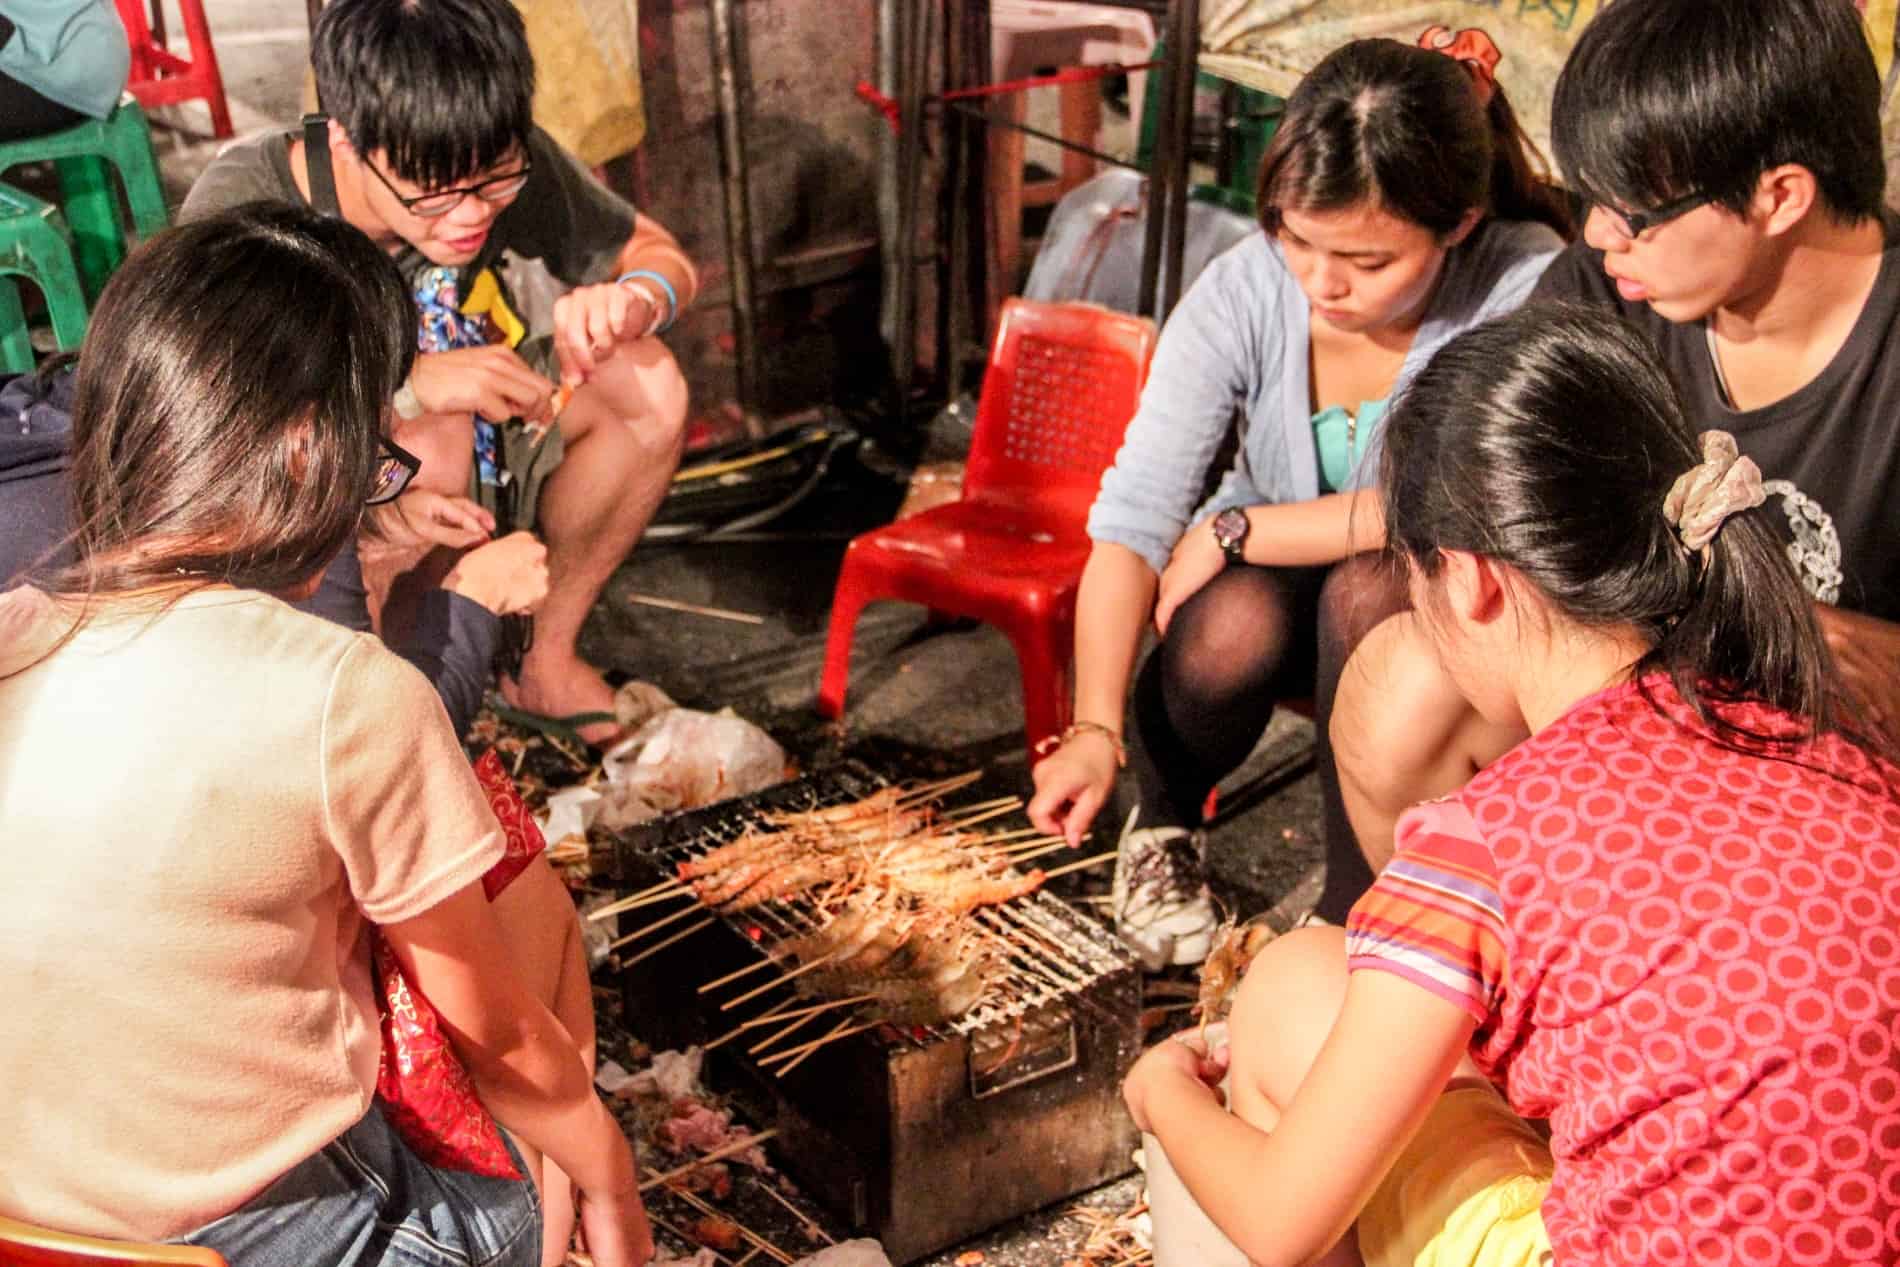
(426, 1093)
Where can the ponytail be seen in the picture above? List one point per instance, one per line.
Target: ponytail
(1746, 632)
(1564, 430)
(1521, 187)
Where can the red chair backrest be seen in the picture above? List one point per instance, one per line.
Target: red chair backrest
(1062, 383)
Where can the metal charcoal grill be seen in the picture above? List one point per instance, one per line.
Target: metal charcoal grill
(918, 1135)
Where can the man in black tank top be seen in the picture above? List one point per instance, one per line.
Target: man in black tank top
(542, 399)
(1731, 159)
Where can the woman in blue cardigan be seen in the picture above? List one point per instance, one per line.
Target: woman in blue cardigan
(1398, 207)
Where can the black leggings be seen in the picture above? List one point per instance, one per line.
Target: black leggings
(1249, 637)
(24, 112)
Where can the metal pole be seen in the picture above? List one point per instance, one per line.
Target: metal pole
(951, 295)
(725, 58)
(910, 123)
(887, 53)
(1161, 166)
(1187, 38)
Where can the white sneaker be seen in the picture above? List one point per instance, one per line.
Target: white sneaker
(1163, 910)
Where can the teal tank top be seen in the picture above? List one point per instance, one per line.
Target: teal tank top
(1341, 439)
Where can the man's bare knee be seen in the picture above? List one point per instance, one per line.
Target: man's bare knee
(642, 388)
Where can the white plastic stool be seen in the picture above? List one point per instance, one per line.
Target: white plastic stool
(1029, 35)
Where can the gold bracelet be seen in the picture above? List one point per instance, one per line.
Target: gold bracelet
(1049, 743)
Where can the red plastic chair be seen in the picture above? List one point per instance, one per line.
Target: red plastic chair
(161, 77)
(1062, 384)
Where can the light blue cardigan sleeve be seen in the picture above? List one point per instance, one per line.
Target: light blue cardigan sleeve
(1235, 348)
(1222, 349)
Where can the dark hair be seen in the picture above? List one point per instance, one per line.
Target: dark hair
(1402, 127)
(444, 88)
(1561, 433)
(1663, 99)
(230, 399)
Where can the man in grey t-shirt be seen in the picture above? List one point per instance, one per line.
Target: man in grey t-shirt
(568, 420)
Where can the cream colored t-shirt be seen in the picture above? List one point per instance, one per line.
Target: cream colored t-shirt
(197, 813)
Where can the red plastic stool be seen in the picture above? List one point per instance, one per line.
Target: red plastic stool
(1062, 383)
(161, 77)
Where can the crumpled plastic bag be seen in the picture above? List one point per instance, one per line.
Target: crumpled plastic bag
(673, 1076)
(683, 759)
(863, 1252)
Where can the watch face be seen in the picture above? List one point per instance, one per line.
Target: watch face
(1230, 527)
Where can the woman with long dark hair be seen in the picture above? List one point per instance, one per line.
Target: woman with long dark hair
(209, 797)
(1664, 923)
(1398, 206)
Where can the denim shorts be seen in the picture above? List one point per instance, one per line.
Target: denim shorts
(367, 1200)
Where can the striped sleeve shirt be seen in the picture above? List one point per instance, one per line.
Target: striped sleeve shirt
(1435, 916)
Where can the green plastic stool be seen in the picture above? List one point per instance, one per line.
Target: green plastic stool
(1249, 118)
(33, 244)
(80, 154)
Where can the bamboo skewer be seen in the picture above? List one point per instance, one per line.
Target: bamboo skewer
(671, 1231)
(1037, 853)
(664, 889)
(811, 1047)
(941, 787)
(1094, 860)
(729, 1004)
(813, 1010)
(654, 927)
(833, 1032)
(751, 1236)
(736, 974)
(796, 1213)
(724, 1151)
(779, 1034)
(983, 815)
(695, 609)
(760, 1019)
(658, 946)
(621, 909)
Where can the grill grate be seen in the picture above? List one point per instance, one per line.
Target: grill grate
(917, 1136)
(1052, 956)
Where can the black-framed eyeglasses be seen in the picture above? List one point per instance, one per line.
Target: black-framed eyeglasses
(494, 190)
(1633, 224)
(394, 469)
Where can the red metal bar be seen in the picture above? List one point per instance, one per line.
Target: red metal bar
(1071, 75)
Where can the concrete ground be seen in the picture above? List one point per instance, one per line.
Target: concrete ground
(950, 692)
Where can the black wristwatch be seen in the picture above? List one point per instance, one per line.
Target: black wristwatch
(1230, 533)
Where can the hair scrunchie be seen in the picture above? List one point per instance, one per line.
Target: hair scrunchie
(1471, 48)
(1705, 495)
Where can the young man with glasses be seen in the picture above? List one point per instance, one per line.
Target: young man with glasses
(1731, 159)
(566, 416)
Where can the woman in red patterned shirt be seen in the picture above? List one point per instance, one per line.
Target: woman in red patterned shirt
(1665, 924)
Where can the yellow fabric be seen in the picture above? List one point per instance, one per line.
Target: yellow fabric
(1465, 1193)
(587, 91)
(485, 298)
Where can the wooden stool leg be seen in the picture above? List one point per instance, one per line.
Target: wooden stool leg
(1006, 205)
(1082, 124)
